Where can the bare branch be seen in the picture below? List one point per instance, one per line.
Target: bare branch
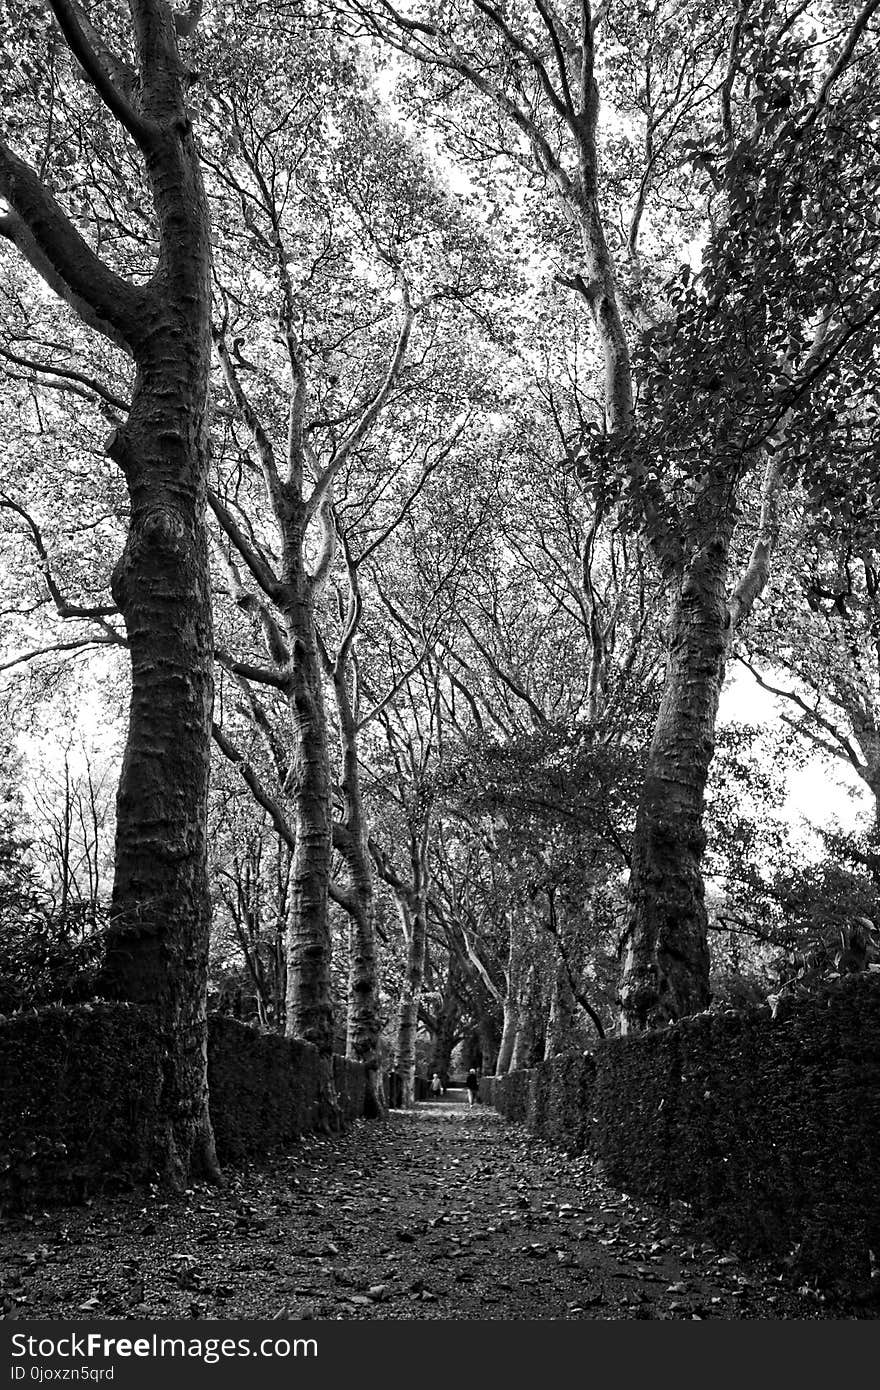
(841, 745)
(40, 229)
(70, 22)
(258, 566)
(76, 645)
(64, 608)
(255, 786)
(563, 107)
(261, 674)
(68, 374)
(368, 417)
(841, 64)
(265, 452)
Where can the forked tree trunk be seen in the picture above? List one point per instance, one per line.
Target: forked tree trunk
(666, 968)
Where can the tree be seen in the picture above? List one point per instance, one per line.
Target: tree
(817, 645)
(760, 116)
(324, 358)
(159, 315)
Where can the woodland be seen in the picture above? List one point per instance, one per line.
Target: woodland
(413, 415)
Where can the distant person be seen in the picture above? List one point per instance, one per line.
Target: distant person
(436, 1085)
(472, 1084)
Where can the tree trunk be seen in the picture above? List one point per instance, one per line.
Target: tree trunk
(511, 1009)
(508, 1036)
(364, 1025)
(562, 1031)
(487, 1028)
(666, 967)
(408, 1014)
(448, 1015)
(511, 999)
(525, 1035)
(309, 945)
(157, 950)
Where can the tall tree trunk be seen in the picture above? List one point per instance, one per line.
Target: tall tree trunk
(487, 1027)
(408, 1012)
(364, 1025)
(525, 1036)
(562, 1032)
(309, 946)
(157, 949)
(414, 913)
(511, 999)
(666, 967)
(448, 1015)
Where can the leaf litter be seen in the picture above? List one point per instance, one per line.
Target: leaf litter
(441, 1213)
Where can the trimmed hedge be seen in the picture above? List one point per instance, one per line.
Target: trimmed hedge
(768, 1129)
(570, 1104)
(350, 1079)
(79, 1095)
(264, 1089)
(511, 1094)
(636, 1079)
(80, 1092)
(394, 1089)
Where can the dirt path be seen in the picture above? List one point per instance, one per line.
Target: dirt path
(445, 1212)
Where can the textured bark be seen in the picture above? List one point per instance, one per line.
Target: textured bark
(364, 1024)
(511, 1000)
(446, 1021)
(157, 945)
(525, 1037)
(562, 1031)
(309, 945)
(414, 915)
(666, 967)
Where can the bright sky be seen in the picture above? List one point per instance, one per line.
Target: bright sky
(821, 793)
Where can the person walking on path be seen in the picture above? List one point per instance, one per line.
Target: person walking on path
(436, 1085)
(472, 1083)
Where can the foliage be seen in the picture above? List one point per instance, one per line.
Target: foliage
(46, 956)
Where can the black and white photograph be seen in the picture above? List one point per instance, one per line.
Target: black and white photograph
(439, 673)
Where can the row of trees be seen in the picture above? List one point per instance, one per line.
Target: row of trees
(470, 376)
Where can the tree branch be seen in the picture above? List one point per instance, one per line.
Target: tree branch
(70, 22)
(265, 452)
(76, 645)
(255, 786)
(368, 417)
(42, 232)
(68, 374)
(841, 64)
(63, 607)
(258, 566)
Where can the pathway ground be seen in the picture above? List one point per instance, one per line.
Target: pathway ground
(444, 1212)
